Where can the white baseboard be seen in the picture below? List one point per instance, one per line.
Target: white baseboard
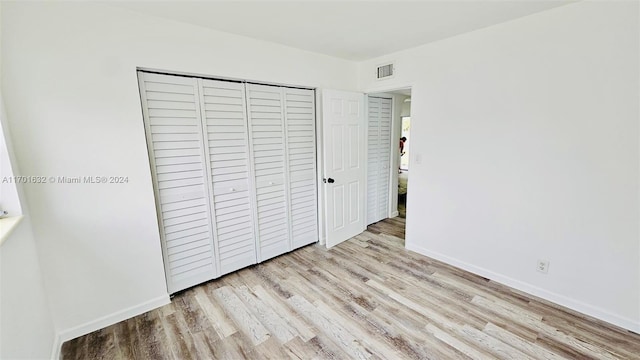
(107, 320)
(562, 300)
(57, 347)
(394, 214)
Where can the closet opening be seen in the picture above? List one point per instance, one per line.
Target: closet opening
(233, 168)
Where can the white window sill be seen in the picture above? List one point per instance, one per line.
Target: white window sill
(7, 225)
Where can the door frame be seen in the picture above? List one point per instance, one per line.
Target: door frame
(396, 128)
(395, 133)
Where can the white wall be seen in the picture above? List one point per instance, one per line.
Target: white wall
(528, 133)
(74, 109)
(9, 200)
(26, 327)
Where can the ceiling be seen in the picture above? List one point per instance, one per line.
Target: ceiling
(354, 30)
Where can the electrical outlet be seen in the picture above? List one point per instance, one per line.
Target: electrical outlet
(543, 266)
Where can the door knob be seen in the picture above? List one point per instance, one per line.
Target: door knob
(329, 180)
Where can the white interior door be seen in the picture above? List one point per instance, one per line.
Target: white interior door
(344, 167)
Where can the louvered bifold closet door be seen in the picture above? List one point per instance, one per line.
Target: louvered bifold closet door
(384, 156)
(301, 151)
(266, 129)
(373, 159)
(176, 152)
(225, 123)
(379, 158)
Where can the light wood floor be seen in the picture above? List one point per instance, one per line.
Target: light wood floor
(366, 298)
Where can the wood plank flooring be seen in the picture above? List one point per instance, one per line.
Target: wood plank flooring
(394, 227)
(367, 298)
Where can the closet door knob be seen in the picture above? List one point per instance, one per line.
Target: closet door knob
(232, 189)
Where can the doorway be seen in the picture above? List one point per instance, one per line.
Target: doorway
(398, 151)
(375, 177)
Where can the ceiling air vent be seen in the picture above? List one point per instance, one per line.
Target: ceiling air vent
(385, 71)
